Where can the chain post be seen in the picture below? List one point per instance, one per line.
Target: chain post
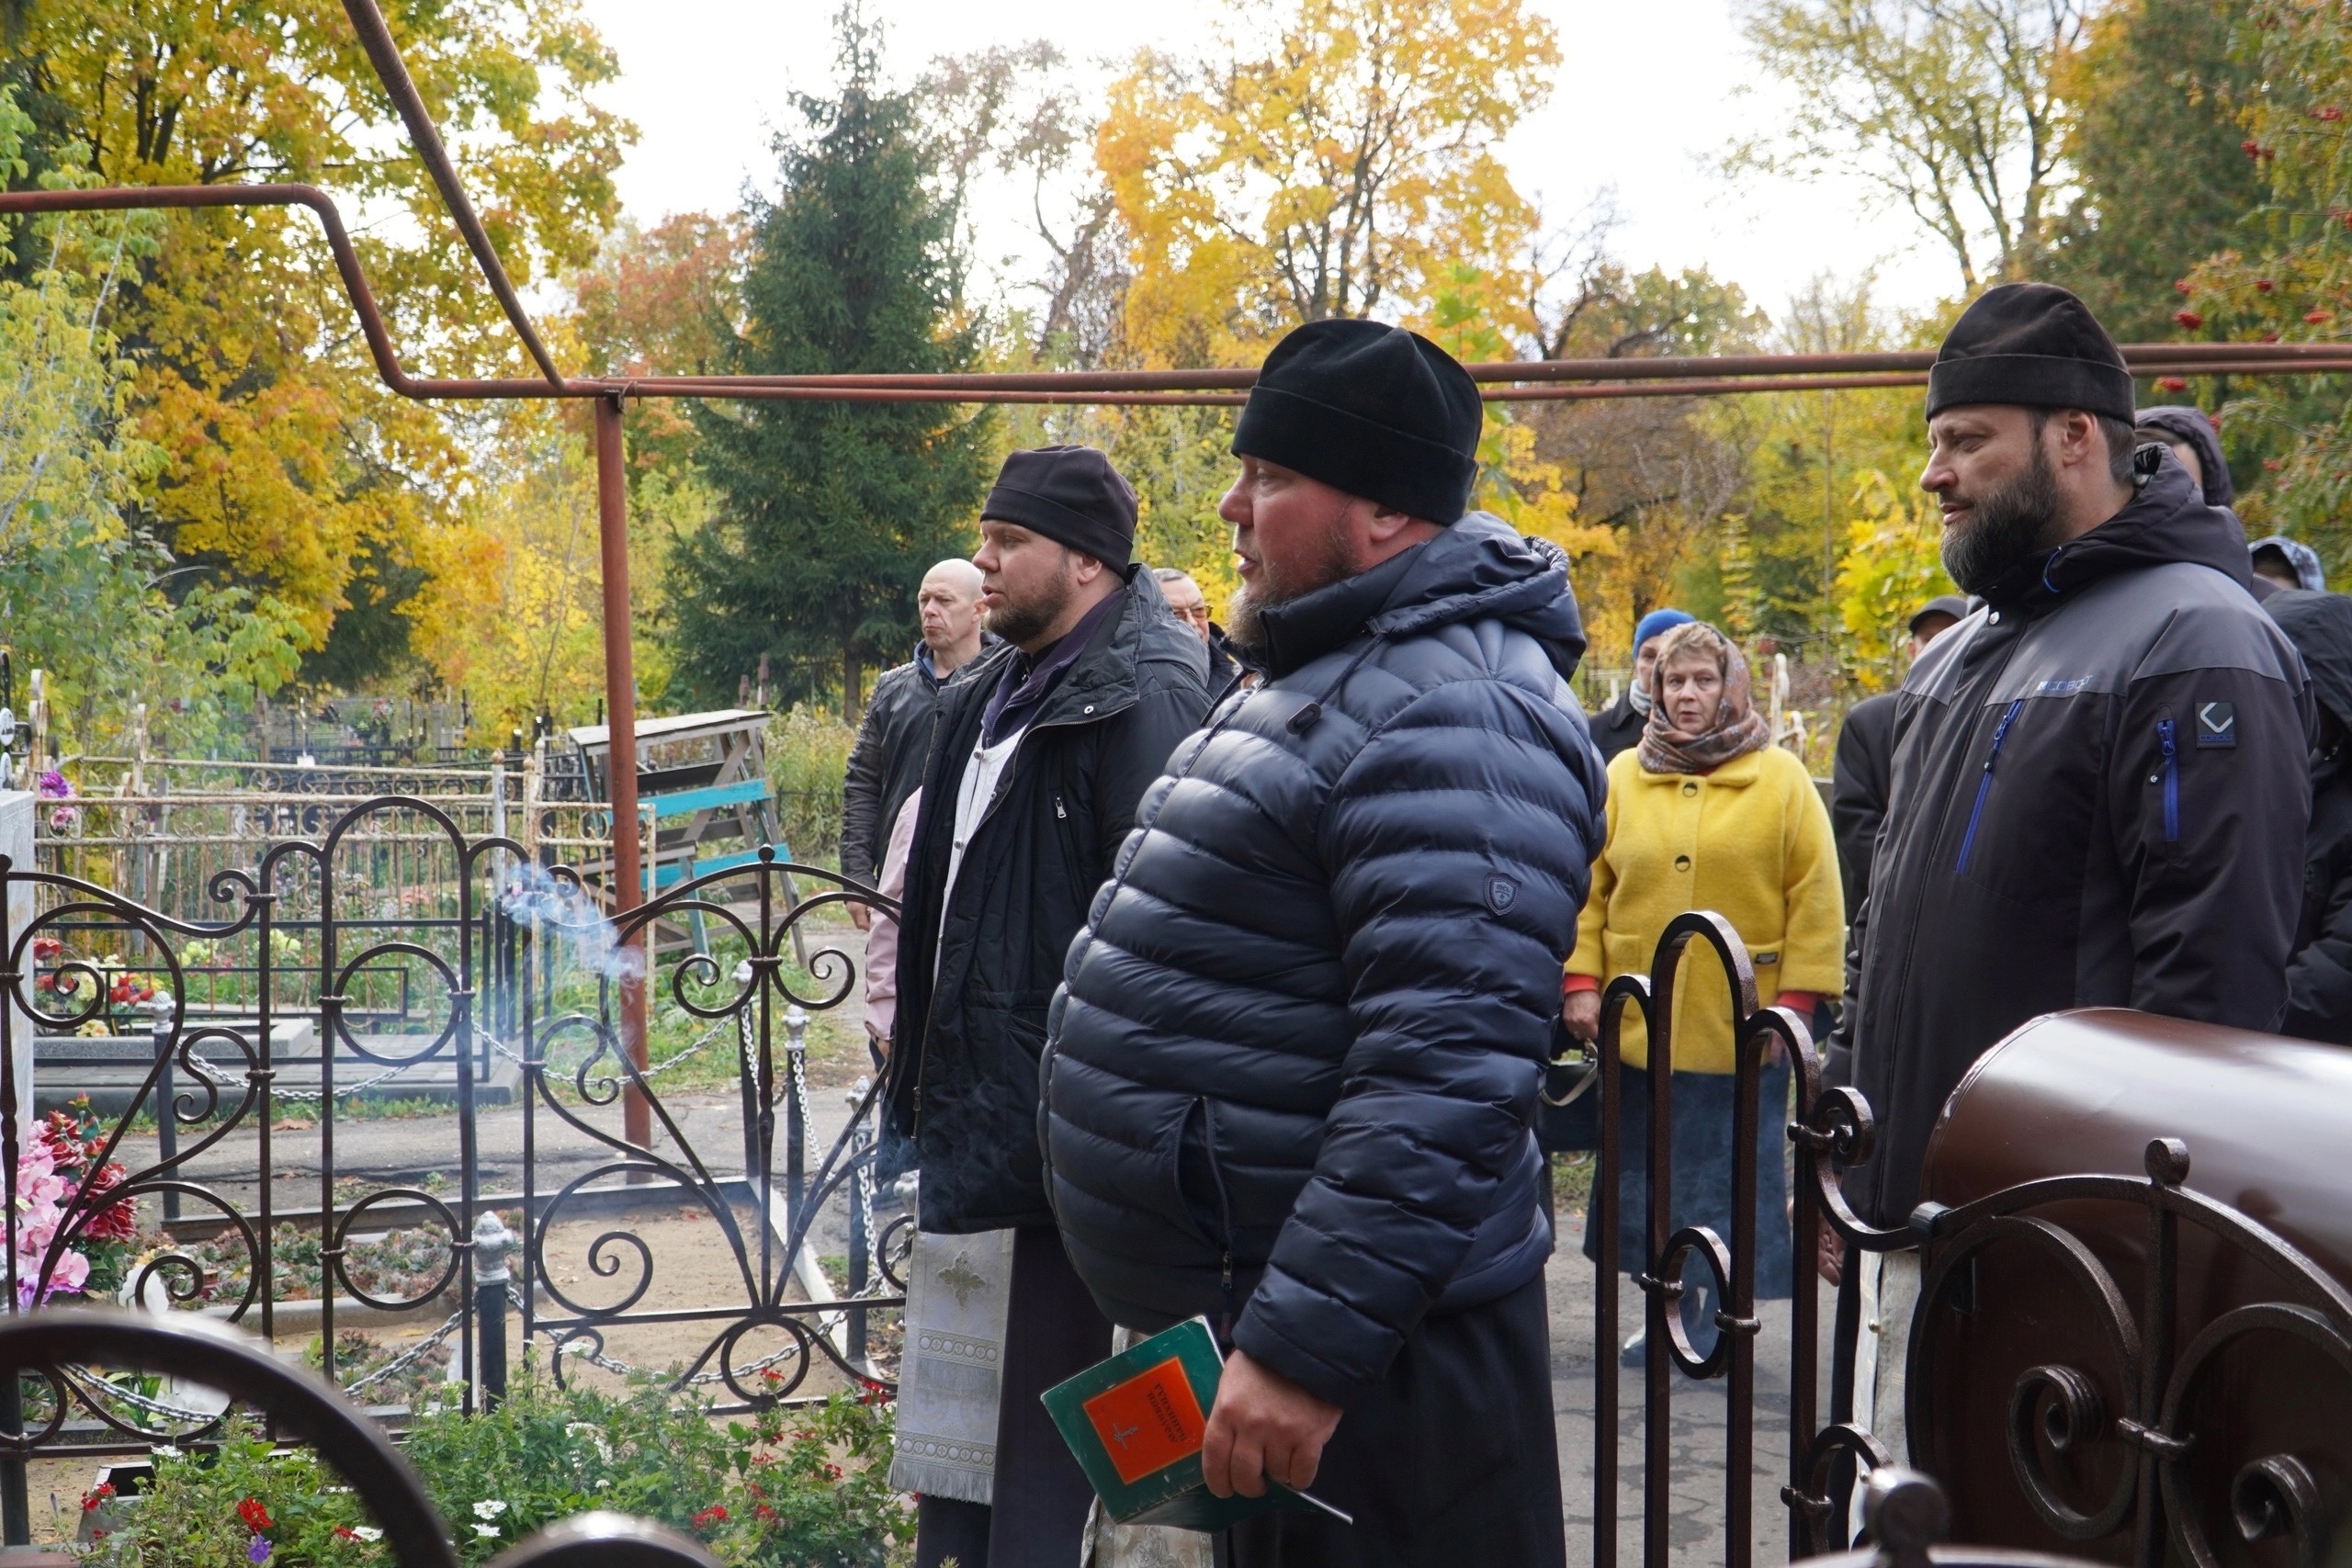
(493, 1243)
(168, 1133)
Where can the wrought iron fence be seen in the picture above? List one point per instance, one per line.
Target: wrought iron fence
(690, 1236)
(2129, 1459)
(499, 982)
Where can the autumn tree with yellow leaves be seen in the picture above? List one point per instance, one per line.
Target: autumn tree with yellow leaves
(284, 463)
(1333, 158)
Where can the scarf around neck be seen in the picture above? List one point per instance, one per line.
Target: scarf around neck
(1738, 727)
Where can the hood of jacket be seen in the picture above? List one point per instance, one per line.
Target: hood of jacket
(2166, 521)
(923, 662)
(2319, 626)
(2194, 429)
(1479, 569)
(2309, 573)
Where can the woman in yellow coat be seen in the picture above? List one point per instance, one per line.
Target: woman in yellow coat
(1706, 814)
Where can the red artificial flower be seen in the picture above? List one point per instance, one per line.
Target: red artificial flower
(2171, 384)
(256, 1517)
(2263, 285)
(2315, 317)
(95, 1495)
(2188, 319)
(714, 1515)
(47, 947)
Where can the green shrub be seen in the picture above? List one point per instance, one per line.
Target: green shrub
(791, 1488)
(807, 752)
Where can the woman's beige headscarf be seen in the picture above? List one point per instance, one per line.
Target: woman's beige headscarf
(1738, 727)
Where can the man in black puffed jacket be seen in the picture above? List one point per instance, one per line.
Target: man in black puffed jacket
(1292, 1075)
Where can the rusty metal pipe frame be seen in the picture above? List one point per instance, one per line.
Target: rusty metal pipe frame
(1504, 381)
(376, 38)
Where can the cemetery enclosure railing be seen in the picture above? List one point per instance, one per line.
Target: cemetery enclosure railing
(497, 983)
(2135, 1451)
(700, 1250)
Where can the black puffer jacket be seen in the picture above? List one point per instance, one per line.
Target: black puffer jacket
(2319, 981)
(1295, 1065)
(2099, 796)
(968, 1092)
(886, 765)
(1618, 727)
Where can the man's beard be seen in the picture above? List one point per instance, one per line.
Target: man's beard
(1244, 623)
(2006, 526)
(1021, 623)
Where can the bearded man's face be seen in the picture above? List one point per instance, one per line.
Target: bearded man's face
(1291, 536)
(1994, 481)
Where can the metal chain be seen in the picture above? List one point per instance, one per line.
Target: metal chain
(219, 1079)
(408, 1358)
(656, 1070)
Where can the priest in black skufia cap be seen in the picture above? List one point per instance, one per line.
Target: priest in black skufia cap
(2100, 781)
(1037, 761)
(1292, 1080)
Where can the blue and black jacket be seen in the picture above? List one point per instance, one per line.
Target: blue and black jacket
(2099, 797)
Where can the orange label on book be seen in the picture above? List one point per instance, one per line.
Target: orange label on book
(1148, 1422)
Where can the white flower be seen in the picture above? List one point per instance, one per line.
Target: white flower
(166, 1450)
(364, 1533)
(488, 1532)
(489, 1508)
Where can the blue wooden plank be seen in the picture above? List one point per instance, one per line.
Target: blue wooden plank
(686, 802)
(670, 874)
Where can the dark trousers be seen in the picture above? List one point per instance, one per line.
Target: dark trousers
(1053, 1332)
(1452, 1461)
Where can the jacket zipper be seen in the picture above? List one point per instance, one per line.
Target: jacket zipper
(1224, 1215)
(2171, 772)
(1985, 783)
(1004, 788)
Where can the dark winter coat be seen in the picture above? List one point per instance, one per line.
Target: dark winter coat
(1618, 727)
(1858, 792)
(886, 764)
(1293, 1069)
(2318, 980)
(968, 1090)
(2100, 798)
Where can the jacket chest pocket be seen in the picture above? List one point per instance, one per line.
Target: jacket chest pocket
(2027, 803)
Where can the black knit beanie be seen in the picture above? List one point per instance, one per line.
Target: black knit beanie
(2032, 345)
(1071, 494)
(1373, 409)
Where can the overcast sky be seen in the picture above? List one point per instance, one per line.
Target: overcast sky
(1647, 98)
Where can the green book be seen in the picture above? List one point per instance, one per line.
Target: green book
(1136, 1423)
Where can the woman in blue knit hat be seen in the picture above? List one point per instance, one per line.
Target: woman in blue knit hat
(1618, 727)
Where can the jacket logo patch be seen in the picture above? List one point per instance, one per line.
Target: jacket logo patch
(2217, 723)
(1501, 894)
(2060, 688)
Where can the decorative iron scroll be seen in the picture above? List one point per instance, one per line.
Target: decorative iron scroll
(2293, 1498)
(404, 947)
(304, 1405)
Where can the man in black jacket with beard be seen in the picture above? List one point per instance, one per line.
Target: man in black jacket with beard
(1036, 764)
(1293, 1069)
(2099, 782)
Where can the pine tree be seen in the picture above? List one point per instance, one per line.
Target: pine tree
(830, 513)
